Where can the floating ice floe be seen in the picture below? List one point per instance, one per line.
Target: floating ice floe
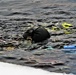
(12, 69)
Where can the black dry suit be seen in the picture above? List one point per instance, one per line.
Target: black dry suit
(37, 34)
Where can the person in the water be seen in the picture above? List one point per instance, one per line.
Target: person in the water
(36, 35)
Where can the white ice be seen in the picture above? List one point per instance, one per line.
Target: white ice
(12, 69)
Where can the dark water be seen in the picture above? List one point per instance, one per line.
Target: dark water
(16, 14)
(71, 0)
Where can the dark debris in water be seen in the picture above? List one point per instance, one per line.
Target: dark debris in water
(9, 58)
(43, 65)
